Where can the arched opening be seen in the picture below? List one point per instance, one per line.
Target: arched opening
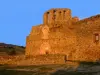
(46, 52)
(65, 58)
(48, 15)
(60, 13)
(64, 14)
(54, 17)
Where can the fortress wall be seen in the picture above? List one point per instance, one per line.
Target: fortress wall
(86, 32)
(62, 45)
(33, 47)
(49, 59)
(57, 46)
(36, 30)
(33, 60)
(33, 41)
(88, 49)
(56, 42)
(57, 35)
(62, 41)
(87, 53)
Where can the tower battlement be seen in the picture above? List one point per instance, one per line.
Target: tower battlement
(57, 15)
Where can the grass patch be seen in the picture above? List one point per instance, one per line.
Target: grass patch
(13, 72)
(64, 72)
(45, 69)
(90, 63)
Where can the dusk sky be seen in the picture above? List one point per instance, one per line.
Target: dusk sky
(18, 16)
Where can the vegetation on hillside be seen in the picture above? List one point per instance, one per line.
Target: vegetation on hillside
(10, 49)
(60, 69)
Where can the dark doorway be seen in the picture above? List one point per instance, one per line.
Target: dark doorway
(46, 52)
(65, 58)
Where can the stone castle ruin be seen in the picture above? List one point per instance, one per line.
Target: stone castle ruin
(63, 34)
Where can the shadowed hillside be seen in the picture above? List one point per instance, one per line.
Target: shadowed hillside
(10, 49)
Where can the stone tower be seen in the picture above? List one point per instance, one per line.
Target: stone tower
(55, 16)
(47, 38)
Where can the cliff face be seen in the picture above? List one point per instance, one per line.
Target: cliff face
(61, 33)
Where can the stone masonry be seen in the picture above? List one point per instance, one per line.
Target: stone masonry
(63, 34)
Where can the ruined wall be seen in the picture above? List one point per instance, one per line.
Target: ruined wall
(61, 33)
(86, 31)
(33, 41)
(49, 42)
(87, 48)
(34, 60)
(61, 42)
(75, 19)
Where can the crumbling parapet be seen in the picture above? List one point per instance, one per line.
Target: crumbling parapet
(26, 50)
(75, 19)
(45, 18)
(53, 16)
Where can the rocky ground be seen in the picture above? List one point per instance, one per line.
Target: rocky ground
(56, 69)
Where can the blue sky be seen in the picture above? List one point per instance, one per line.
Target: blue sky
(18, 16)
